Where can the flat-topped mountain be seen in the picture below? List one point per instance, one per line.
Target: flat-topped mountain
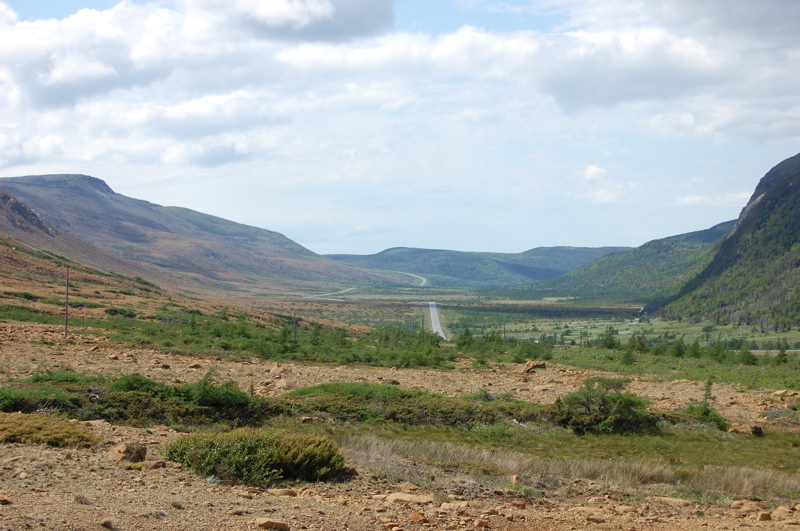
(202, 251)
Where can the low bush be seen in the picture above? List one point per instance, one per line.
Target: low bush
(381, 402)
(258, 457)
(705, 414)
(601, 406)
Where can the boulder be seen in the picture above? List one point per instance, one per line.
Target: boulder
(403, 497)
(266, 523)
(131, 452)
(675, 502)
(532, 365)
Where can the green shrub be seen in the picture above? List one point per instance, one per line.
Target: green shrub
(121, 312)
(137, 382)
(704, 413)
(258, 457)
(30, 400)
(64, 377)
(601, 406)
(380, 402)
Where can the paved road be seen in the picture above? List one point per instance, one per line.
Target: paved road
(435, 324)
(422, 280)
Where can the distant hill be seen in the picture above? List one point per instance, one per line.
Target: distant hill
(754, 277)
(479, 269)
(639, 275)
(202, 253)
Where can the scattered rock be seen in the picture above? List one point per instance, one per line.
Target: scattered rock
(416, 518)
(748, 506)
(675, 502)
(586, 510)
(132, 452)
(266, 523)
(482, 523)
(404, 497)
(532, 365)
(283, 492)
(452, 506)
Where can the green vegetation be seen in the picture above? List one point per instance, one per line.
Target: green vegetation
(754, 278)
(455, 268)
(601, 406)
(380, 403)
(258, 457)
(651, 271)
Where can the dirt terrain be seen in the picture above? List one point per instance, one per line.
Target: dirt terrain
(71, 489)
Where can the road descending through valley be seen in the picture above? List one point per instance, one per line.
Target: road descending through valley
(436, 326)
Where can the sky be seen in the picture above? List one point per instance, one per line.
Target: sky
(353, 126)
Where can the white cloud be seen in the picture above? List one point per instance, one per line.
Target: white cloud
(732, 199)
(599, 188)
(73, 68)
(319, 103)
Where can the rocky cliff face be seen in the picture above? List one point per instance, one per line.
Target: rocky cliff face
(754, 277)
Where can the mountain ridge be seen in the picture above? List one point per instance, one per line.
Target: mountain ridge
(199, 250)
(636, 275)
(447, 267)
(754, 276)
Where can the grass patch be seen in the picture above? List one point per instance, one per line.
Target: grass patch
(40, 429)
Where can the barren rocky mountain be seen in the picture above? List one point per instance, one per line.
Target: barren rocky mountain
(19, 222)
(202, 253)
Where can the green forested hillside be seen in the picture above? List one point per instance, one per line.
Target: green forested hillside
(465, 268)
(754, 278)
(653, 270)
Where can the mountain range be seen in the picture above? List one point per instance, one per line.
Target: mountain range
(653, 270)
(480, 269)
(82, 218)
(747, 271)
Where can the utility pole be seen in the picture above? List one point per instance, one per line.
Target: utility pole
(294, 327)
(66, 306)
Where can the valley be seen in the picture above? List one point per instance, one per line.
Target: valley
(558, 388)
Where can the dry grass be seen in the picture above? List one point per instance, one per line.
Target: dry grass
(637, 479)
(744, 482)
(39, 429)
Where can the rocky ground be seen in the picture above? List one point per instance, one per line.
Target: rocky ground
(71, 489)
